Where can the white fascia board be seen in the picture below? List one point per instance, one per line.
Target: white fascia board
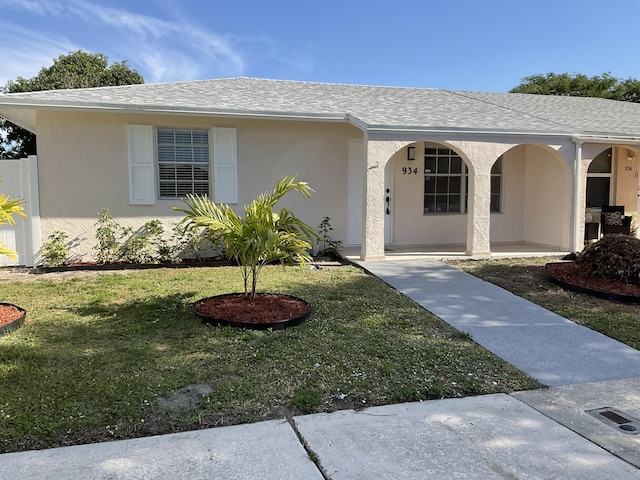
(168, 110)
(607, 139)
(417, 133)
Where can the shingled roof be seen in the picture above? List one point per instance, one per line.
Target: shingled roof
(370, 107)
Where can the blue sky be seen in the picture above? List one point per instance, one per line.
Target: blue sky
(475, 45)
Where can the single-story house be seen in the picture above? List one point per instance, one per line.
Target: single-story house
(390, 166)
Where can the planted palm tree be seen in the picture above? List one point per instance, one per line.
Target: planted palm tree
(11, 316)
(261, 236)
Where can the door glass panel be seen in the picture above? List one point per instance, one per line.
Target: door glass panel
(598, 189)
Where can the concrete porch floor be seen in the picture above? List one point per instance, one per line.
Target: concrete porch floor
(406, 252)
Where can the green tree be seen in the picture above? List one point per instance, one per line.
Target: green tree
(578, 85)
(261, 236)
(75, 70)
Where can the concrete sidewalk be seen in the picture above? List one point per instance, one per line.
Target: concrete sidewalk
(542, 434)
(487, 437)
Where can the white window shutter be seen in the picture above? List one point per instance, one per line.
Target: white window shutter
(142, 182)
(225, 161)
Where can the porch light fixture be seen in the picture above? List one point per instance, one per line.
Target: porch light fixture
(631, 155)
(411, 153)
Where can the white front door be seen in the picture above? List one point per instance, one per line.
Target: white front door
(388, 202)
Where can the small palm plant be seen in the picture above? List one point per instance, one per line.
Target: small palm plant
(261, 236)
(8, 208)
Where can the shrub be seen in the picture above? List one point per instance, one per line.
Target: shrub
(54, 251)
(145, 245)
(109, 233)
(191, 241)
(613, 256)
(327, 246)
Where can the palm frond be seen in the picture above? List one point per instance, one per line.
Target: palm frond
(10, 207)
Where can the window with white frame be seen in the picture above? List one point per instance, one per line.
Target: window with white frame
(446, 181)
(183, 162)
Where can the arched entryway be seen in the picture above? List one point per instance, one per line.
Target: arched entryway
(533, 189)
(430, 194)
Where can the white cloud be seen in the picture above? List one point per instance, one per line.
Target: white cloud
(27, 51)
(161, 50)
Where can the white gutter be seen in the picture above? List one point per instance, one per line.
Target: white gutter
(603, 139)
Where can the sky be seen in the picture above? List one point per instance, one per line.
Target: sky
(478, 45)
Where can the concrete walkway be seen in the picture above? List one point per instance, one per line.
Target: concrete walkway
(547, 346)
(543, 434)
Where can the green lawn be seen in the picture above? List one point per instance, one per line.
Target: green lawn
(123, 355)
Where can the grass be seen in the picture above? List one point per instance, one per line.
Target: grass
(525, 277)
(115, 356)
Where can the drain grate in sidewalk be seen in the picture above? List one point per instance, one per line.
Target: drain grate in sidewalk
(617, 419)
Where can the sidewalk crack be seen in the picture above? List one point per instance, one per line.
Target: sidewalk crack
(313, 456)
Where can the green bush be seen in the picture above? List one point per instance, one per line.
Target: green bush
(147, 244)
(109, 234)
(54, 251)
(613, 256)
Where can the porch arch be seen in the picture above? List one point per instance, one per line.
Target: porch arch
(536, 198)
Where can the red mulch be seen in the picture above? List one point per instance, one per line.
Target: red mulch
(569, 273)
(9, 313)
(264, 308)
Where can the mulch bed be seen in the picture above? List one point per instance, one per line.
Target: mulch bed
(569, 275)
(9, 313)
(265, 310)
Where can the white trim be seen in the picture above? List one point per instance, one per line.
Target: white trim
(225, 164)
(356, 167)
(142, 179)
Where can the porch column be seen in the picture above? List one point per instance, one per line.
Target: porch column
(479, 157)
(479, 211)
(372, 247)
(578, 204)
(378, 153)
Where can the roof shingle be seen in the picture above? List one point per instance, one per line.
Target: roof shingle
(378, 107)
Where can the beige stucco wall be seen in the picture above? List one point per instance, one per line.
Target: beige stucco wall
(626, 169)
(83, 168)
(547, 194)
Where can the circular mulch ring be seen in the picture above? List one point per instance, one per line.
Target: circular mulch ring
(11, 317)
(265, 311)
(569, 276)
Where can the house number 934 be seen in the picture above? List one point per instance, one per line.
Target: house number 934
(409, 171)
